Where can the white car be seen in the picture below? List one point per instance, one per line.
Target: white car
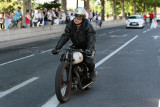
(135, 21)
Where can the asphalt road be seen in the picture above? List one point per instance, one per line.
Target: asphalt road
(129, 72)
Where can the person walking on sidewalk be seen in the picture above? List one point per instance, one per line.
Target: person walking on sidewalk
(151, 17)
(1, 19)
(145, 18)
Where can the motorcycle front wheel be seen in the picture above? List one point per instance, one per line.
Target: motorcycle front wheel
(62, 85)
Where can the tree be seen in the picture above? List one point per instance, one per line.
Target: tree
(134, 10)
(86, 4)
(114, 10)
(102, 9)
(64, 5)
(123, 9)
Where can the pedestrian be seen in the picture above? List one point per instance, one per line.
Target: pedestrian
(28, 19)
(63, 17)
(50, 15)
(145, 18)
(53, 12)
(45, 16)
(151, 17)
(42, 18)
(72, 17)
(90, 15)
(36, 18)
(126, 16)
(18, 18)
(154, 24)
(7, 19)
(107, 16)
(1, 19)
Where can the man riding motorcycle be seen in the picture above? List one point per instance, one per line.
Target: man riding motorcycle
(82, 36)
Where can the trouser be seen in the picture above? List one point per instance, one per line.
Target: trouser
(150, 21)
(1, 25)
(35, 24)
(145, 21)
(89, 61)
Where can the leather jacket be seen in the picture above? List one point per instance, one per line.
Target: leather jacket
(83, 37)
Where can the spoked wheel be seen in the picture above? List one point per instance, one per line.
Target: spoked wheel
(62, 86)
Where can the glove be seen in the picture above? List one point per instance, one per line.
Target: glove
(55, 51)
(88, 52)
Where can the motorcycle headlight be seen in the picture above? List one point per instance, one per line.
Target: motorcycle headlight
(77, 57)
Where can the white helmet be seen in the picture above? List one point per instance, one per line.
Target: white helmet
(80, 12)
(77, 57)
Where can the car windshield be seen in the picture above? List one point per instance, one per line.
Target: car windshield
(134, 17)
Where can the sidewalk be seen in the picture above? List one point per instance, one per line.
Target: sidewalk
(10, 37)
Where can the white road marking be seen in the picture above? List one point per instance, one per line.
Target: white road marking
(113, 36)
(119, 36)
(102, 34)
(144, 31)
(148, 29)
(125, 35)
(159, 60)
(16, 60)
(45, 51)
(156, 37)
(2, 94)
(53, 102)
(112, 32)
(113, 53)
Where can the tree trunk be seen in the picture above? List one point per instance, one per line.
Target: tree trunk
(144, 7)
(86, 4)
(134, 10)
(123, 9)
(77, 3)
(102, 10)
(26, 6)
(155, 11)
(114, 10)
(64, 5)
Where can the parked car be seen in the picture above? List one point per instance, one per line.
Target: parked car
(135, 21)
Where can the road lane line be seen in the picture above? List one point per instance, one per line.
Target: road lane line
(113, 53)
(16, 60)
(125, 35)
(2, 94)
(53, 102)
(112, 32)
(46, 51)
(102, 34)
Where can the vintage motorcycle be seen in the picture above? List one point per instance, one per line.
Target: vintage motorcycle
(72, 74)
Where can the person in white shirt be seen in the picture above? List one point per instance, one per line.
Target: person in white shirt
(50, 15)
(36, 18)
(63, 17)
(53, 17)
(72, 17)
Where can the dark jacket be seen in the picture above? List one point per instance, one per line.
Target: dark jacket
(83, 37)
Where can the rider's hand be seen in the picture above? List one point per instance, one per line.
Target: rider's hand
(55, 51)
(88, 52)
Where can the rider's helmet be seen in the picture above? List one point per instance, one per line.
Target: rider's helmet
(77, 57)
(80, 12)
